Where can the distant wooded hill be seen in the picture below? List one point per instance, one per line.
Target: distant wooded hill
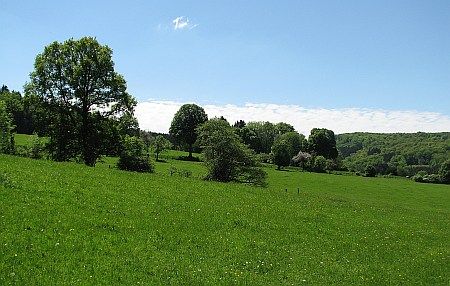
(402, 154)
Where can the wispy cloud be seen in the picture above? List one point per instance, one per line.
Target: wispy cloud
(183, 23)
(157, 116)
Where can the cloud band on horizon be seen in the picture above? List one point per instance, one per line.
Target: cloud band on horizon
(156, 116)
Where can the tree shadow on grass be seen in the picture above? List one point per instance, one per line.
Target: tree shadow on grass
(284, 170)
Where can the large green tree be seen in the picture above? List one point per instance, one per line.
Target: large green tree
(296, 142)
(259, 136)
(322, 142)
(185, 122)
(283, 127)
(15, 106)
(281, 153)
(77, 83)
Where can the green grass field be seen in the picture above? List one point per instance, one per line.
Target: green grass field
(65, 223)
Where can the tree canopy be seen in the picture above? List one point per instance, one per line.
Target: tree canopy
(281, 153)
(403, 154)
(185, 122)
(78, 85)
(322, 142)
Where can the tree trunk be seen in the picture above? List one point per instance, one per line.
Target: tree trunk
(190, 151)
(88, 148)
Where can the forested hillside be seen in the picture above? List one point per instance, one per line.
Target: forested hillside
(403, 154)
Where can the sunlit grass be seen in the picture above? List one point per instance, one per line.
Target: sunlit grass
(64, 223)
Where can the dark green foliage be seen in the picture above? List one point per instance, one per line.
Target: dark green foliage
(226, 157)
(134, 156)
(296, 142)
(6, 130)
(264, 136)
(147, 138)
(398, 154)
(37, 148)
(15, 107)
(38, 114)
(282, 128)
(322, 142)
(420, 176)
(444, 172)
(259, 136)
(346, 148)
(223, 118)
(373, 150)
(281, 153)
(370, 171)
(264, 158)
(332, 165)
(185, 122)
(320, 164)
(76, 83)
(423, 177)
(239, 124)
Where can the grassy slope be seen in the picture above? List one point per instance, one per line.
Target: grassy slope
(63, 223)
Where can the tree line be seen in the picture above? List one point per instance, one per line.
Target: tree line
(423, 156)
(77, 100)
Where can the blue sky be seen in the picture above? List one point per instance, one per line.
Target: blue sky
(377, 55)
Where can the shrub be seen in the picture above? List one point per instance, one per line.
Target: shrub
(133, 157)
(302, 159)
(432, 178)
(419, 176)
(180, 172)
(331, 165)
(370, 171)
(444, 172)
(423, 177)
(226, 157)
(37, 148)
(320, 164)
(263, 158)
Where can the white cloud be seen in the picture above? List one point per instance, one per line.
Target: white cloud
(182, 23)
(157, 116)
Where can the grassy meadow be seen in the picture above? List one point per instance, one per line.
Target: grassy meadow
(65, 223)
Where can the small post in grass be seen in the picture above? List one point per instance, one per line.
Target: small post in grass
(286, 190)
(298, 191)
